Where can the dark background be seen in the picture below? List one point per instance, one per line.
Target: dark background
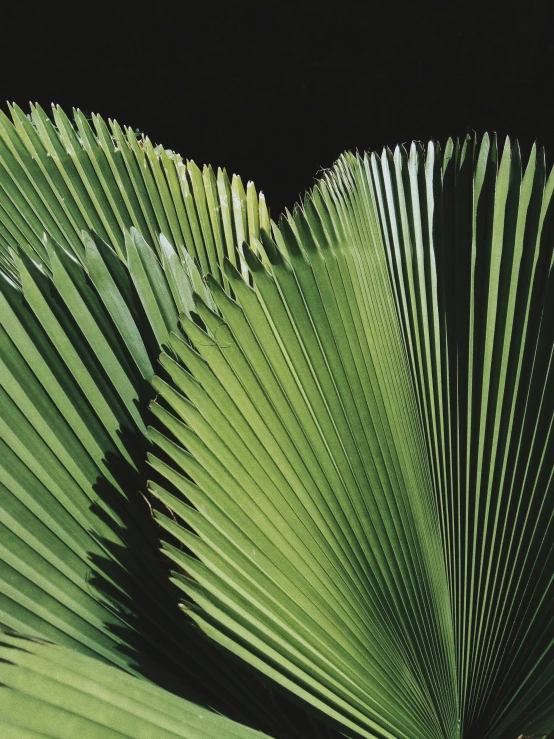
(275, 92)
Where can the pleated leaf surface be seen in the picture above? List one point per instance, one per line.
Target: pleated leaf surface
(82, 322)
(49, 691)
(59, 177)
(353, 454)
(362, 441)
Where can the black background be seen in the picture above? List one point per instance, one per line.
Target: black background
(276, 91)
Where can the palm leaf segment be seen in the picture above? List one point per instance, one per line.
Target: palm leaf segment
(61, 179)
(356, 431)
(366, 443)
(51, 691)
(80, 333)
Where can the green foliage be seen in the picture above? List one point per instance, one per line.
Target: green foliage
(337, 428)
(54, 691)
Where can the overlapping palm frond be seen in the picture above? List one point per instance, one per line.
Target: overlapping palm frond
(81, 330)
(61, 178)
(350, 452)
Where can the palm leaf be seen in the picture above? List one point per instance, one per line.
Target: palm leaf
(352, 430)
(362, 444)
(51, 691)
(79, 552)
(79, 562)
(81, 327)
(61, 178)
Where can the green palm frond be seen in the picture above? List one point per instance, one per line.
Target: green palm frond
(79, 549)
(350, 452)
(365, 447)
(61, 178)
(81, 330)
(51, 691)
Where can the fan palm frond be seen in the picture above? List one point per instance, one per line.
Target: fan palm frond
(81, 330)
(350, 452)
(362, 444)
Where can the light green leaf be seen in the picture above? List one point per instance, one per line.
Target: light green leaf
(50, 691)
(350, 450)
(343, 436)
